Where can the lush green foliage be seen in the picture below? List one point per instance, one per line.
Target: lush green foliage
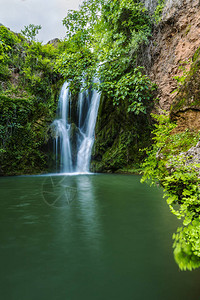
(38, 70)
(20, 135)
(158, 11)
(27, 83)
(103, 38)
(73, 61)
(134, 87)
(9, 45)
(31, 31)
(179, 175)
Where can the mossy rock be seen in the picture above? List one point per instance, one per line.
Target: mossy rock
(196, 55)
(119, 136)
(188, 96)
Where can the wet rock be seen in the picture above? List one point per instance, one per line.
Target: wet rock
(73, 141)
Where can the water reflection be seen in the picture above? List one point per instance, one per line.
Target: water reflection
(80, 221)
(113, 241)
(89, 211)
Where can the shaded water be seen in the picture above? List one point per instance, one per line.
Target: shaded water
(88, 237)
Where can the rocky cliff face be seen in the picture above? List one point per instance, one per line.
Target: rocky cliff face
(185, 109)
(172, 52)
(172, 47)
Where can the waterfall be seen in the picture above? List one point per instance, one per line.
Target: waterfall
(86, 138)
(73, 147)
(62, 131)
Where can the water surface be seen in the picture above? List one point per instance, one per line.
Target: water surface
(88, 237)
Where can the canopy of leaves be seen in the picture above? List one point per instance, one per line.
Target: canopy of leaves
(31, 31)
(27, 104)
(102, 41)
(9, 46)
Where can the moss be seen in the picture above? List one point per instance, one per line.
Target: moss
(187, 30)
(25, 135)
(8, 100)
(196, 55)
(178, 104)
(189, 93)
(134, 169)
(119, 136)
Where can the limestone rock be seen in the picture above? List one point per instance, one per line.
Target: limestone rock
(193, 154)
(54, 42)
(172, 46)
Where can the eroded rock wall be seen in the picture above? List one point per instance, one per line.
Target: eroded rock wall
(173, 45)
(185, 109)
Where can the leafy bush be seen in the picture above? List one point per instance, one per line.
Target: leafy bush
(8, 37)
(8, 43)
(27, 102)
(38, 70)
(103, 38)
(158, 11)
(167, 165)
(187, 246)
(31, 31)
(134, 87)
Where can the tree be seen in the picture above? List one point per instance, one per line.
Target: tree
(31, 31)
(102, 40)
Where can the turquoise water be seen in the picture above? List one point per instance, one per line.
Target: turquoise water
(88, 237)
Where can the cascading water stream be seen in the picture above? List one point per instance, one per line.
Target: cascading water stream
(87, 134)
(62, 131)
(87, 110)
